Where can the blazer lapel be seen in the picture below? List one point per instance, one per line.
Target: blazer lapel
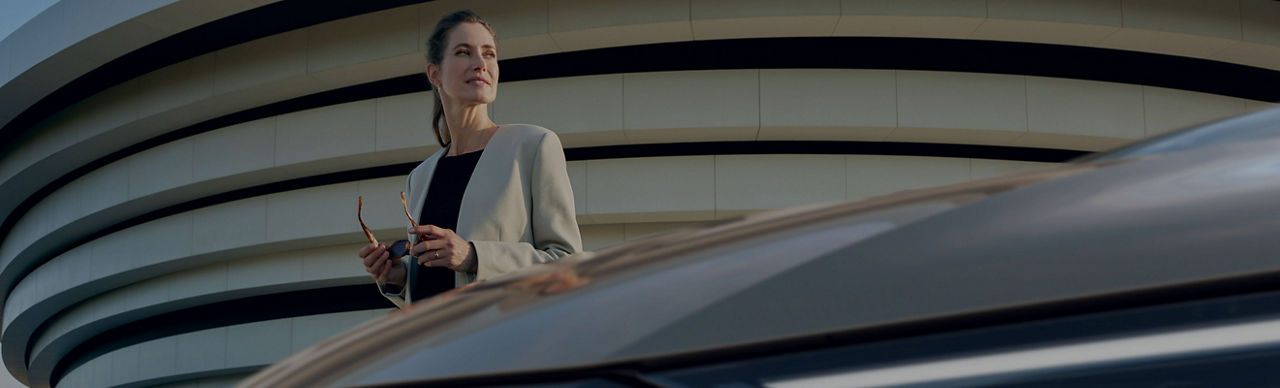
(476, 205)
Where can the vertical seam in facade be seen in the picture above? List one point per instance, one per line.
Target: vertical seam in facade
(1026, 104)
(897, 105)
(622, 97)
(759, 104)
(1146, 127)
(839, 17)
(691, 35)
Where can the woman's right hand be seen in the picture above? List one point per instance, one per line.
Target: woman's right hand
(379, 264)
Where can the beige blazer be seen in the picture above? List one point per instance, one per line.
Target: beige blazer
(517, 209)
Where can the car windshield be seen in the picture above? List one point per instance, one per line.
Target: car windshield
(727, 294)
(1256, 126)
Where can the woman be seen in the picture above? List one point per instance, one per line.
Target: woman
(495, 198)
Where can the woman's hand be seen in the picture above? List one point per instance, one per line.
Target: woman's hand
(440, 247)
(379, 264)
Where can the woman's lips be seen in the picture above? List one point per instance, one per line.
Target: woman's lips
(477, 81)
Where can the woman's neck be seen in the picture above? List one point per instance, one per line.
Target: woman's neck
(469, 128)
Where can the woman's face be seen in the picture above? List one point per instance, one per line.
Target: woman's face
(468, 73)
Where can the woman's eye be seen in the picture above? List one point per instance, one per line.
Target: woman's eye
(462, 52)
(491, 54)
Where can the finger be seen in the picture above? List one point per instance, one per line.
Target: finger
(373, 261)
(374, 255)
(373, 268)
(429, 230)
(364, 251)
(386, 270)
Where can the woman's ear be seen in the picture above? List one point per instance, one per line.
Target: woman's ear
(433, 75)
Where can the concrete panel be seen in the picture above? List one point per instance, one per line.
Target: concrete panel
(623, 190)
(636, 231)
(327, 132)
(330, 263)
(960, 107)
(64, 206)
(44, 36)
(104, 187)
(201, 350)
(699, 105)
(871, 176)
(521, 26)
(1209, 18)
(404, 121)
(176, 85)
(112, 42)
(826, 104)
(756, 182)
(293, 214)
(184, 15)
(160, 168)
(73, 267)
(230, 225)
(160, 356)
(100, 113)
(197, 281)
(364, 38)
(1169, 109)
(726, 19)
(578, 179)
(135, 247)
(1097, 12)
(587, 24)
(101, 369)
(1260, 21)
(959, 8)
(919, 18)
(585, 111)
(268, 59)
(1043, 32)
(987, 168)
(1165, 43)
(232, 150)
(125, 365)
(258, 343)
(1060, 22)
(596, 237)
(1252, 54)
(1251, 105)
(263, 271)
(382, 208)
(1084, 108)
(309, 330)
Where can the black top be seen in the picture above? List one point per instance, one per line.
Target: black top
(444, 198)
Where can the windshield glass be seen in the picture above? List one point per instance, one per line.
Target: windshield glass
(708, 298)
(1256, 126)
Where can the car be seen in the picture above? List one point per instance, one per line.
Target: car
(1156, 264)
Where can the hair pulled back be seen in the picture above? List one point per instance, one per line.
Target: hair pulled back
(435, 55)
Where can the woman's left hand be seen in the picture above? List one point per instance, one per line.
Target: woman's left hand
(440, 247)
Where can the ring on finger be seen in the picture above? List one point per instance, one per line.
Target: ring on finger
(436, 254)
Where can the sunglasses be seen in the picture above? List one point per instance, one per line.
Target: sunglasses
(398, 248)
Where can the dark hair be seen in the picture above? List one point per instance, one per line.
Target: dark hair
(435, 54)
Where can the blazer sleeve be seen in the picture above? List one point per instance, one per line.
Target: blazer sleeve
(555, 226)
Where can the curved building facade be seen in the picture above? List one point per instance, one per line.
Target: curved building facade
(178, 178)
